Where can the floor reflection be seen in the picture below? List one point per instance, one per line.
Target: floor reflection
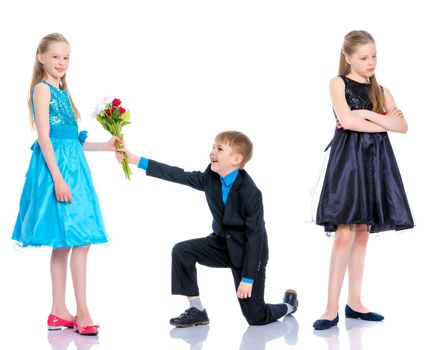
(331, 337)
(61, 340)
(256, 337)
(355, 330)
(194, 336)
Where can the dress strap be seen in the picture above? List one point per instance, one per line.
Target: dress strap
(41, 82)
(49, 85)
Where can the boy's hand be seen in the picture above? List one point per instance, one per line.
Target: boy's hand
(244, 290)
(130, 157)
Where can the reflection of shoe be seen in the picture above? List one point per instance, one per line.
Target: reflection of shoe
(329, 333)
(291, 298)
(367, 316)
(192, 335)
(55, 322)
(255, 337)
(291, 337)
(355, 323)
(325, 324)
(190, 317)
(60, 339)
(87, 330)
(85, 343)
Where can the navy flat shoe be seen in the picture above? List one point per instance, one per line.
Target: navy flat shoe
(367, 316)
(326, 324)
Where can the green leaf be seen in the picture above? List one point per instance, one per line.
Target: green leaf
(126, 116)
(116, 113)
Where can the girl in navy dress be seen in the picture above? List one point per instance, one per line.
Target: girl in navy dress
(363, 191)
(59, 207)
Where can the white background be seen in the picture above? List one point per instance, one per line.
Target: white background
(188, 70)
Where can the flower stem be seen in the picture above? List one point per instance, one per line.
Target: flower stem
(125, 165)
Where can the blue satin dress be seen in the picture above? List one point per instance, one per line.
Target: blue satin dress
(362, 183)
(42, 220)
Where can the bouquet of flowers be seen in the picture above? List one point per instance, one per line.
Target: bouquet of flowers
(113, 118)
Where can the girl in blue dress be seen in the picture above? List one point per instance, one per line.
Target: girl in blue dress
(59, 206)
(363, 191)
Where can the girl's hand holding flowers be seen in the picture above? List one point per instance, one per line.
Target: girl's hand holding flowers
(110, 145)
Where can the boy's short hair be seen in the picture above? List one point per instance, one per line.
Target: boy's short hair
(239, 142)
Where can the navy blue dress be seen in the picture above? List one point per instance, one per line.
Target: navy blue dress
(362, 183)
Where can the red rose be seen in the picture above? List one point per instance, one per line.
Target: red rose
(116, 102)
(108, 112)
(122, 110)
(113, 109)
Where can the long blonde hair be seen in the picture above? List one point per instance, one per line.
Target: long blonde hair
(38, 73)
(351, 41)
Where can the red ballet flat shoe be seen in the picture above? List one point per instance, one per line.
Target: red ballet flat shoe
(87, 330)
(54, 322)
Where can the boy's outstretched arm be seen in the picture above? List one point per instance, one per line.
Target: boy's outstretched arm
(194, 179)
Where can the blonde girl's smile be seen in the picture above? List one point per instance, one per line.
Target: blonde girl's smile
(55, 61)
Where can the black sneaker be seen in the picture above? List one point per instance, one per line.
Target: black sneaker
(191, 317)
(291, 298)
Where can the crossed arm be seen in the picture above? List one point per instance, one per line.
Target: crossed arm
(364, 120)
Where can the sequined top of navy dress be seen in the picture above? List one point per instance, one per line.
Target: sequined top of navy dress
(362, 183)
(42, 220)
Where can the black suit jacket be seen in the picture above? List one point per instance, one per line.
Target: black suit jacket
(240, 222)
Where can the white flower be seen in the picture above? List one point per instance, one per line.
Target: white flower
(107, 99)
(99, 109)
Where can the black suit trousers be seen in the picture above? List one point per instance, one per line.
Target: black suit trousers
(212, 251)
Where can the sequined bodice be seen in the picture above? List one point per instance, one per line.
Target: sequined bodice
(60, 110)
(356, 94)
